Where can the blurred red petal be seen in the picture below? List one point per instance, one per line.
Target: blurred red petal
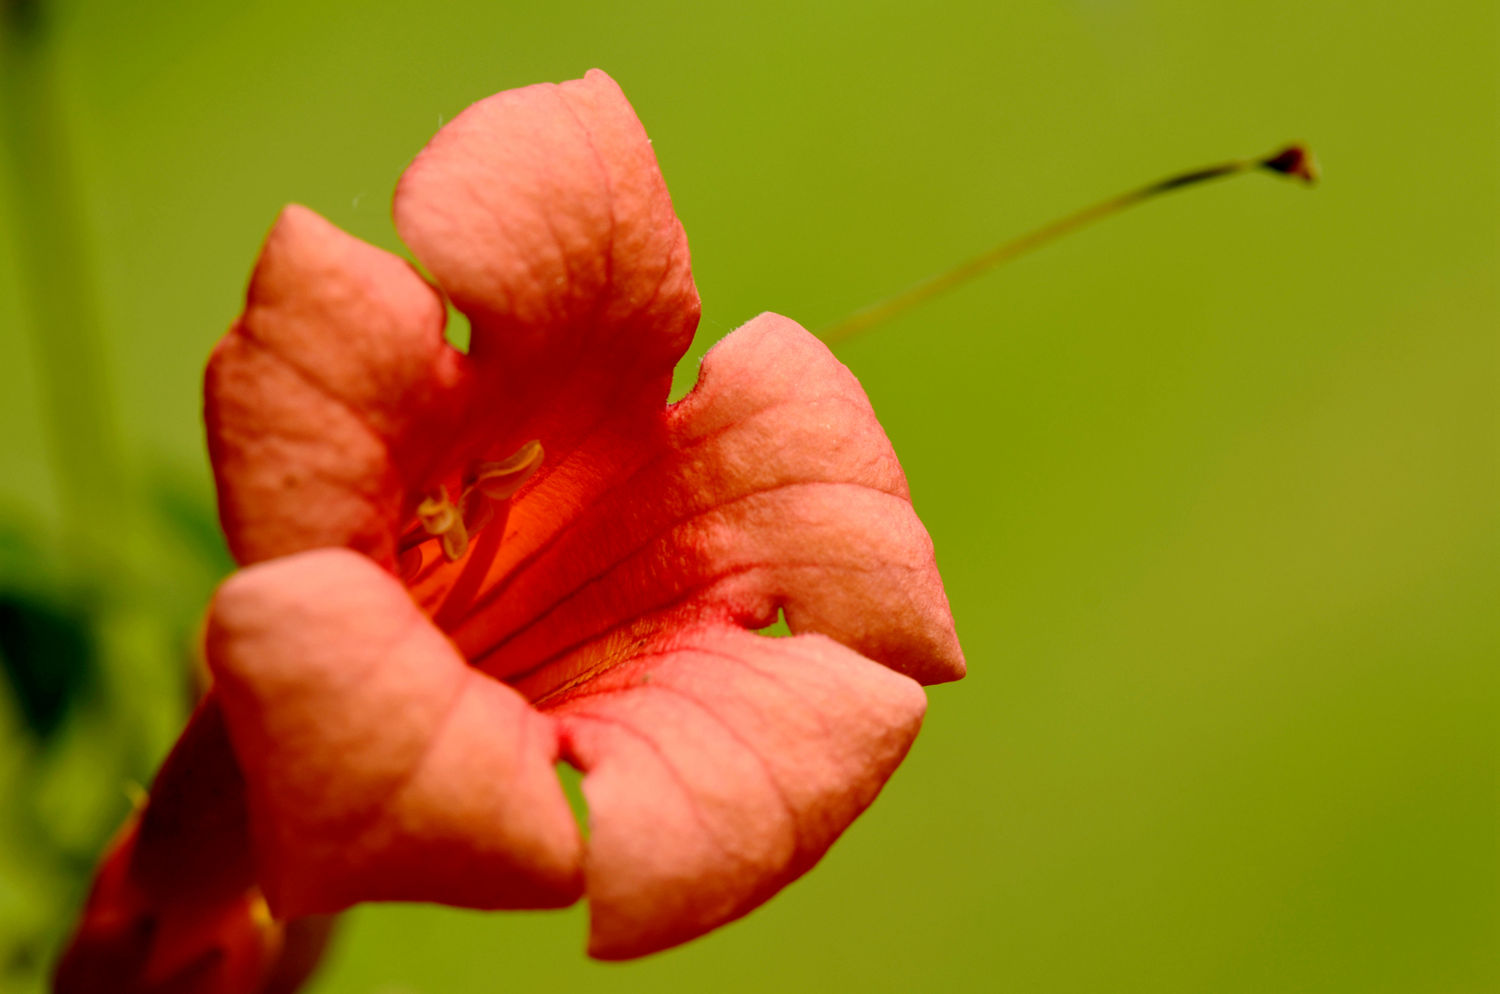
(174, 906)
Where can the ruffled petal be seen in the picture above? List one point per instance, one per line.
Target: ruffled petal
(770, 487)
(542, 213)
(379, 765)
(719, 766)
(325, 400)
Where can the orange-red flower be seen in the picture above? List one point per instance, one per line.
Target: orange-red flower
(473, 566)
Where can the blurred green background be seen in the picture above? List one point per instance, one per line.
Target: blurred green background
(1213, 486)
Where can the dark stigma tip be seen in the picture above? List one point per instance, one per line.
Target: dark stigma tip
(1294, 160)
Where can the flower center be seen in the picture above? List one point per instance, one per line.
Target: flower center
(486, 486)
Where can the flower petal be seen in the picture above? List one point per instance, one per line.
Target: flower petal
(541, 212)
(323, 401)
(174, 904)
(720, 766)
(379, 765)
(771, 486)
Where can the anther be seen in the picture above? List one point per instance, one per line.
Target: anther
(491, 484)
(485, 502)
(439, 517)
(500, 480)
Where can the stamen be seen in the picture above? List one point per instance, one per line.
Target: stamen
(500, 480)
(436, 514)
(486, 502)
(439, 517)
(482, 504)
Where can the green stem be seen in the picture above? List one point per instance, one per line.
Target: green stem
(1293, 160)
(56, 273)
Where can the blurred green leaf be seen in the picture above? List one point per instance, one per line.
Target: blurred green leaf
(185, 505)
(47, 654)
